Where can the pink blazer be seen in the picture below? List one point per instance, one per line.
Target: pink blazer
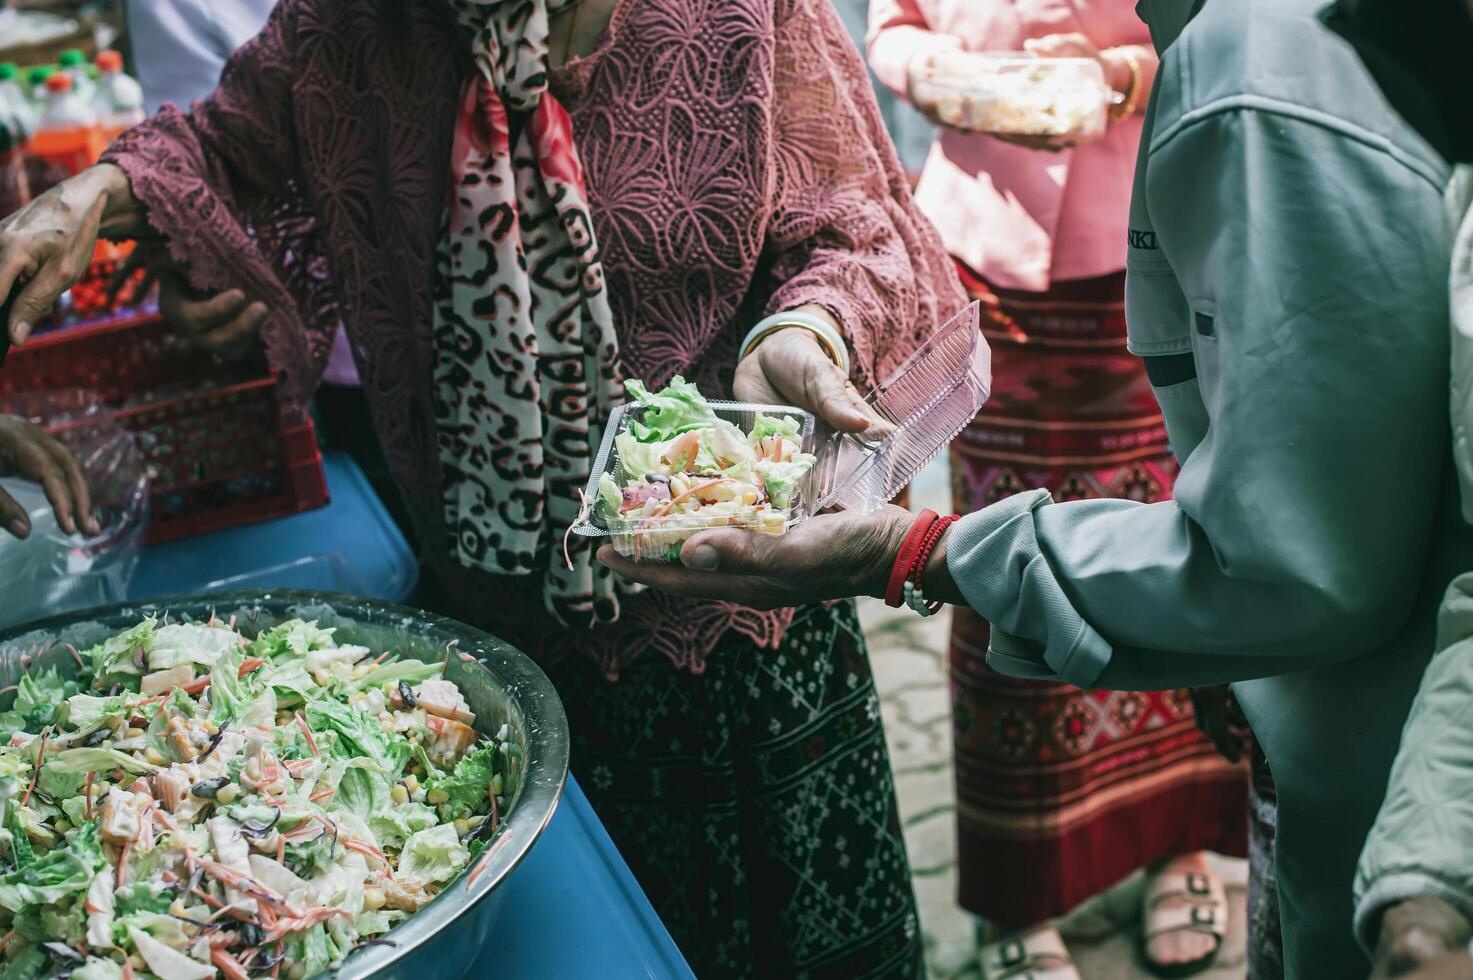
(1021, 218)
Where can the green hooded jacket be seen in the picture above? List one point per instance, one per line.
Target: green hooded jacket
(1287, 289)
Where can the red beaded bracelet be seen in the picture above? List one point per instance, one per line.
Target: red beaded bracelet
(901, 570)
(923, 555)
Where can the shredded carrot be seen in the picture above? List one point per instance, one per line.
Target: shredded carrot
(196, 686)
(276, 967)
(123, 862)
(481, 866)
(250, 664)
(228, 965)
(208, 900)
(363, 847)
(127, 970)
(168, 876)
(379, 659)
(321, 796)
(307, 731)
(280, 849)
(76, 656)
(231, 624)
(7, 939)
(40, 751)
(87, 788)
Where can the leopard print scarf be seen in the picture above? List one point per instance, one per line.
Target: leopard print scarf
(526, 355)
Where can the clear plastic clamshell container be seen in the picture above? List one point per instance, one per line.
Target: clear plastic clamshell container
(918, 410)
(1014, 93)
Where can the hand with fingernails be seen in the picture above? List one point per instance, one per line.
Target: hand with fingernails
(224, 323)
(26, 450)
(790, 367)
(46, 246)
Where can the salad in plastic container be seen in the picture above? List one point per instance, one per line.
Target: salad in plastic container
(673, 463)
(1013, 93)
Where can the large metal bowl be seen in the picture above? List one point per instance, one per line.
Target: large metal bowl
(501, 684)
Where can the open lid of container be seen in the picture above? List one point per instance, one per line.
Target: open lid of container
(918, 410)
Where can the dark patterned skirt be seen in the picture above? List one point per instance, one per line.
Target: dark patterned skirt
(1060, 792)
(755, 802)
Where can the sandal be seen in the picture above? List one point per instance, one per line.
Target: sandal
(1201, 907)
(1038, 955)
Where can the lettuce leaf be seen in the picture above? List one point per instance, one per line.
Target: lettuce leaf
(98, 969)
(638, 458)
(65, 870)
(359, 736)
(610, 502)
(409, 670)
(38, 700)
(434, 855)
(782, 480)
(115, 654)
(466, 786)
(365, 794)
(775, 425)
(20, 843)
(675, 409)
(292, 638)
(231, 695)
(86, 711)
(98, 759)
(186, 643)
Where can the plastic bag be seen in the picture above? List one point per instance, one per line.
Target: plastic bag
(51, 572)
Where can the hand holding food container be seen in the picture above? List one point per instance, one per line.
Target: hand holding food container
(1060, 91)
(673, 464)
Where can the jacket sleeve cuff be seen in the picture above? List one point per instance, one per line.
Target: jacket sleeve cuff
(996, 561)
(1400, 886)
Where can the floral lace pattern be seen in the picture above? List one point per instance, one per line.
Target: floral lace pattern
(736, 164)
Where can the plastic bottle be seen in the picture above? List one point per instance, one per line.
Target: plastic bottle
(74, 63)
(67, 136)
(14, 181)
(119, 99)
(36, 82)
(15, 105)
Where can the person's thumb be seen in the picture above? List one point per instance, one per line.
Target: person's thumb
(730, 551)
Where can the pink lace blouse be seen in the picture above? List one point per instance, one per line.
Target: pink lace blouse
(736, 163)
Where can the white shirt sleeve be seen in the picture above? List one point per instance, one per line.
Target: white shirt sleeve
(179, 46)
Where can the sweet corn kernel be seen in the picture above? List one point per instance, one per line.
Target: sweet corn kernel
(399, 794)
(133, 732)
(411, 783)
(462, 827)
(227, 794)
(62, 825)
(373, 899)
(437, 796)
(154, 756)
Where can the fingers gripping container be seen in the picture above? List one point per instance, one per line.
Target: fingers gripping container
(1014, 94)
(917, 411)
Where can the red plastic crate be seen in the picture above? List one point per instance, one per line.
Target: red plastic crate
(220, 450)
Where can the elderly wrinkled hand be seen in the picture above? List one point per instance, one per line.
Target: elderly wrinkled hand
(790, 367)
(224, 323)
(831, 556)
(26, 449)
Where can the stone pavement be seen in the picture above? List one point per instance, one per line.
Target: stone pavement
(909, 658)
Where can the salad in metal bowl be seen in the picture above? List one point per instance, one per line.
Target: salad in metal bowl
(193, 803)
